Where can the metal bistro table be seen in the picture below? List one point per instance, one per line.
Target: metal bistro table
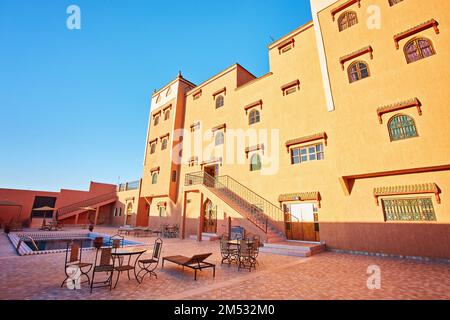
(118, 253)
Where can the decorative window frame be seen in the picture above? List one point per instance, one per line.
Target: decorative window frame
(290, 85)
(282, 47)
(415, 189)
(220, 91)
(344, 6)
(315, 137)
(300, 196)
(197, 94)
(219, 127)
(414, 102)
(167, 135)
(218, 160)
(356, 54)
(414, 30)
(258, 147)
(155, 170)
(252, 105)
(195, 126)
(193, 161)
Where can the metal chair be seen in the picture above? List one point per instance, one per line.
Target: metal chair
(74, 260)
(245, 255)
(148, 266)
(103, 265)
(228, 255)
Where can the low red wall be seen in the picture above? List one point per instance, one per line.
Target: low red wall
(403, 239)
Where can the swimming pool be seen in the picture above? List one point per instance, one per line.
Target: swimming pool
(54, 242)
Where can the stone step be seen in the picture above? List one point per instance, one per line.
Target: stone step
(294, 248)
(205, 237)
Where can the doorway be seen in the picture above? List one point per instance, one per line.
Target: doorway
(210, 217)
(212, 170)
(302, 221)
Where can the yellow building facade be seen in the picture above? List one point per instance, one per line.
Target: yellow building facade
(344, 141)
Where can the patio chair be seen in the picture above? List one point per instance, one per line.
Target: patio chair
(116, 241)
(228, 255)
(125, 229)
(74, 260)
(148, 266)
(196, 262)
(245, 255)
(103, 265)
(255, 251)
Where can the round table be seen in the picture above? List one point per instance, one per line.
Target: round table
(122, 252)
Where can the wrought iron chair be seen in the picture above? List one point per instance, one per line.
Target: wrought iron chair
(228, 255)
(245, 255)
(103, 265)
(255, 251)
(74, 260)
(148, 266)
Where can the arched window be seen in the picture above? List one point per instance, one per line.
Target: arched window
(402, 127)
(418, 48)
(130, 209)
(358, 70)
(255, 163)
(219, 102)
(156, 121)
(164, 144)
(347, 19)
(253, 117)
(155, 178)
(153, 148)
(219, 138)
(167, 115)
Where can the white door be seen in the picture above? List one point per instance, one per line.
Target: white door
(304, 212)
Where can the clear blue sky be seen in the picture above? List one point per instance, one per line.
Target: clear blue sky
(74, 104)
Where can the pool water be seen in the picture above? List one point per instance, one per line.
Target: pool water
(57, 244)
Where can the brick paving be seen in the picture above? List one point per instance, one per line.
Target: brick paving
(324, 276)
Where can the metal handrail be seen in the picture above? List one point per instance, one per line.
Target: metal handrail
(85, 203)
(29, 238)
(261, 209)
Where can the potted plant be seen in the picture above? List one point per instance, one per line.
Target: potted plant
(91, 227)
(6, 228)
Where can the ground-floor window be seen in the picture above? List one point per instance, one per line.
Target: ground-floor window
(409, 209)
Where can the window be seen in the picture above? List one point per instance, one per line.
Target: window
(115, 212)
(402, 127)
(153, 148)
(164, 144)
(162, 211)
(167, 115)
(156, 121)
(174, 176)
(408, 209)
(220, 102)
(417, 49)
(358, 70)
(394, 2)
(219, 140)
(155, 178)
(255, 163)
(120, 211)
(347, 19)
(309, 153)
(253, 117)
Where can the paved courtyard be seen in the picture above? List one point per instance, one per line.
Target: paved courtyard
(324, 276)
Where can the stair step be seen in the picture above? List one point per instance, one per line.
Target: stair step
(285, 252)
(205, 237)
(300, 249)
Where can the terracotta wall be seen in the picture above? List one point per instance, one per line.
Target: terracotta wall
(406, 239)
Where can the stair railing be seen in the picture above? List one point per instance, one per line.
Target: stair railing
(22, 240)
(85, 203)
(261, 209)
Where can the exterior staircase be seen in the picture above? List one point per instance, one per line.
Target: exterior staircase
(264, 215)
(77, 208)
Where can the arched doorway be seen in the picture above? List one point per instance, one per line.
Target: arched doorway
(210, 217)
(129, 214)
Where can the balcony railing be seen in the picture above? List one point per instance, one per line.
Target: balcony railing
(134, 185)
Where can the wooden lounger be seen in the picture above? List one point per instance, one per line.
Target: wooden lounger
(197, 262)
